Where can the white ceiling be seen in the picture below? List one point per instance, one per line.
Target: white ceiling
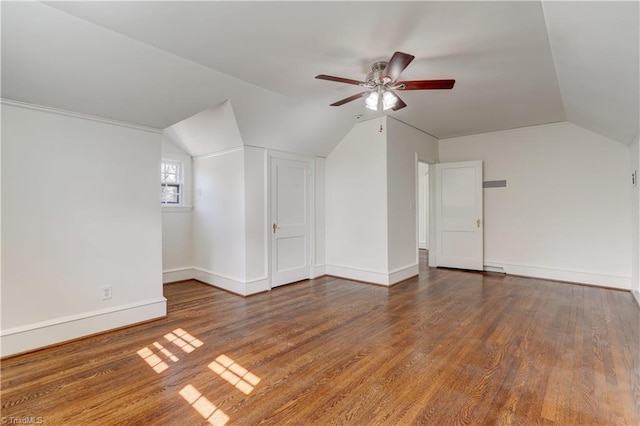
(156, 63)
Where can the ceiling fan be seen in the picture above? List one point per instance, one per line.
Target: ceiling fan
(382, 83)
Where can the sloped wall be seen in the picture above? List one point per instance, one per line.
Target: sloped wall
(212, 130)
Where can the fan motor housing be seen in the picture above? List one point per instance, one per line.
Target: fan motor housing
(375, 78)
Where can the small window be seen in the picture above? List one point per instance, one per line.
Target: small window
(171, 182)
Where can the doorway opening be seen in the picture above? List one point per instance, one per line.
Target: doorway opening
(423, 213)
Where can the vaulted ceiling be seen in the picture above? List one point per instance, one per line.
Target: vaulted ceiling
(155, 64)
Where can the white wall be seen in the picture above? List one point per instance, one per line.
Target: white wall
(256, 218)
(218, 214)
(566, 211)
(371, 201)
(176, 242)
(319, 219)
(230, 220)
(1, 257)
(635, 216)
(356, 204)
(81, 210)
(405, 146)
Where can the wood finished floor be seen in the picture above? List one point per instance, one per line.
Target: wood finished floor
(449, 347)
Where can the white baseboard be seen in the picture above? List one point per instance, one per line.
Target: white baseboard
(636, 296)
(45, 333)
(232, 284)
(224, 282)
(179, 274)
(401, 274)
(257, 286)
(373, 277)
(494, 268)
(216, 280)
(357, 274)
(562, 275)
(318, 271)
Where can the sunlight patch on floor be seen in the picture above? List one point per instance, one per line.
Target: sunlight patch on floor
(154, 360)
(235, 374)
(202, 405)
(166, 352)
(183, 340)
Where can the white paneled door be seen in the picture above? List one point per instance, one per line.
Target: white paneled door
(290, 215)
(459, 219)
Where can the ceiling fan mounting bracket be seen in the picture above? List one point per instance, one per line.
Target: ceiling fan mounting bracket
(379, 66)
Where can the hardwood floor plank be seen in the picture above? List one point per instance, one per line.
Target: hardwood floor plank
(445, 347)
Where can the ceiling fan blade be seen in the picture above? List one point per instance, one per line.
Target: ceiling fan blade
(427, 84)
(339, 79)
(350, 98)
(399, 103)
(398, 62)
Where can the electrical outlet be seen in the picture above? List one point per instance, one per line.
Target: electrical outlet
(106, 292)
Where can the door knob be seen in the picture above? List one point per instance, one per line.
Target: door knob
(477, 223)
(274, 228)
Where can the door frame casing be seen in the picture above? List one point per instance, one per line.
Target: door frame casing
(419, 158)
(427, 201)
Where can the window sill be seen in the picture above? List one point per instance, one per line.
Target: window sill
(176, 209)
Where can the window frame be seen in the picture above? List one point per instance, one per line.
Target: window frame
(179, 183)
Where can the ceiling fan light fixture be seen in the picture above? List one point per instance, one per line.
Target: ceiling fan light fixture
(389, 100)
(371, 102)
